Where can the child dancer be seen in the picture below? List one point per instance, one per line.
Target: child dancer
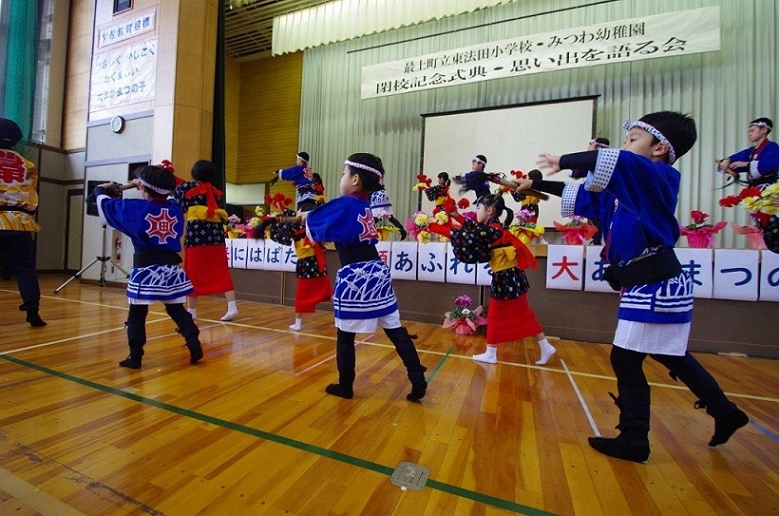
(364, 298)
(381, 209)
(761, 161)
(302, 177)
(633, 192)
(440, 192)
(18, 202)
(205, 261)
(313, 283)
(155, 224)
(319, 189)
(509, 316)
(475, 179)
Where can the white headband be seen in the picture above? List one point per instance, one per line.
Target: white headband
(152, 187)
(302, 158)
(363, 167)
(478, 160)
(628, 125)
(761, 124)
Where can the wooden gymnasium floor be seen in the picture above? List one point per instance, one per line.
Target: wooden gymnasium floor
(250, 430)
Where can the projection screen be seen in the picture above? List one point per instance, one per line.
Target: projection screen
(511, 138)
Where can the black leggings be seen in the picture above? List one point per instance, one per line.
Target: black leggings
(628, 365)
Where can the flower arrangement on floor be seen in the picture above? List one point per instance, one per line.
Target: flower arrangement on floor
(700, 234)
(577, 231)
(464, 320)
(524, 228)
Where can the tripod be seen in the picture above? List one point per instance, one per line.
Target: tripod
(103, 258)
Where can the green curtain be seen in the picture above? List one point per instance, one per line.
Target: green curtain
(18, 61)
(218, 154)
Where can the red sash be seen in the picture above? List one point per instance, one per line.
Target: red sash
(212, 194)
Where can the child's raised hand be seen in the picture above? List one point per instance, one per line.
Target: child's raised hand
(550, 162)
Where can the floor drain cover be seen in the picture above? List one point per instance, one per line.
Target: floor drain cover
(410, 476)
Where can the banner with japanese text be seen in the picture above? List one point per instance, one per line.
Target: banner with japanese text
(126, 27)
(647, 37)
(743, 274)
(123, 75)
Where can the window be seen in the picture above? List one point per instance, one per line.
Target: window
(122, 5)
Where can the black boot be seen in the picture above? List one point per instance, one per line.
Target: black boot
(34, 319)
(136, 335)
(408, 354)
(632, 443)
(727, 416)
(344, 359)
(188, 329)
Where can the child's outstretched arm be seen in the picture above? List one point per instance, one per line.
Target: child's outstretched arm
(550, 162)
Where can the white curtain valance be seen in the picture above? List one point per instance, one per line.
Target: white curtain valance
(342, 20)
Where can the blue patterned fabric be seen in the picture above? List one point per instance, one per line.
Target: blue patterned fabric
(635, 200)
(363, 290)
(301, 177)
(151, 226)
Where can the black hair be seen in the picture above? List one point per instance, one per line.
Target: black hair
(157, 177)
(204, 170)
(10, 133)
(678, 128)
(763, 120)
(445, 177)
(370, 181)
(317, 178)
(496, 201)
(602, 141)
(535, 174)
(482, 158)
(304, 156)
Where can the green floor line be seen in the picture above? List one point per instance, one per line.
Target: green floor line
(439, 364)
(347, 459)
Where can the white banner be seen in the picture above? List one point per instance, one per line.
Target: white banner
(742, 274)
(125, 28)
(123, 75)
(647, 37)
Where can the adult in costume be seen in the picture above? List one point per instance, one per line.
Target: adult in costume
(18, 202)
(760, 162)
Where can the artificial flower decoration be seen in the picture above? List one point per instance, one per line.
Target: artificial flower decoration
(167, 165)
(761, 204)
(278, 202)
(753, 233)
(417, 225)
(384, 228)
(464, 320)
(524, 226)
(700, 234)
(232, 227)
(577, 231)
(423, 183)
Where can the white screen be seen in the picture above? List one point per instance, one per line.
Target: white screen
(511, 139)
